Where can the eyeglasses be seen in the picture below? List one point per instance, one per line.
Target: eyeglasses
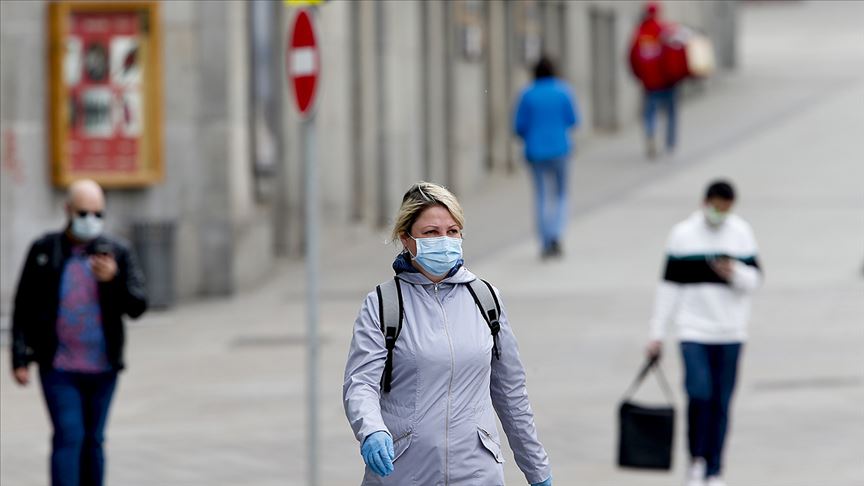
(84, 214)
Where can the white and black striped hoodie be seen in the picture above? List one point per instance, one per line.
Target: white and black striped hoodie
(691, 296)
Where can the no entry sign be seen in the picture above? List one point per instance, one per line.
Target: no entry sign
(303, 62)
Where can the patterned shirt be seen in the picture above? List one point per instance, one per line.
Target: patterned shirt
(81, 340)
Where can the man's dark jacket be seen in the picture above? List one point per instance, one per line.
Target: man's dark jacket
(34, 319)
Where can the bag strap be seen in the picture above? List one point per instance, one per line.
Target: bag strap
(490, 308)
(390, 314)
(651, 363)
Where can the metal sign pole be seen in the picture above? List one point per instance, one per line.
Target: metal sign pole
(311, 294)
(303, 67)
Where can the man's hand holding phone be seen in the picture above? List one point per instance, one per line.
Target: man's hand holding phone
(724, 267)
(103, 263)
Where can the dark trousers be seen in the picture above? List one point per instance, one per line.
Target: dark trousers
(710, 371)
(78, 405)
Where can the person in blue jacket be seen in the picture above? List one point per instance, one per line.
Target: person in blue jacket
(546, 113)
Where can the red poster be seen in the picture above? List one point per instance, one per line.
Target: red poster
(102, 73)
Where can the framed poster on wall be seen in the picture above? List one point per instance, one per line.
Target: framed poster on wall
(105, 92)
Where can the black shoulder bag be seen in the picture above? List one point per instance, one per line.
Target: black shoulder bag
(646, 433)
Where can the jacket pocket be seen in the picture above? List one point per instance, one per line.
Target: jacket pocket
(401, 443)
(490, 444)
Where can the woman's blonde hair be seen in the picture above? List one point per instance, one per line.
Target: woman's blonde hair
(420, 196)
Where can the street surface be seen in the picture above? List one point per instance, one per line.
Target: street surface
(215, 390)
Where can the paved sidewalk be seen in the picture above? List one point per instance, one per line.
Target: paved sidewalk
(215, 390)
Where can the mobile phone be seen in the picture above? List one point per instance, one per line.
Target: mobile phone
(716, 257)
(103, 248)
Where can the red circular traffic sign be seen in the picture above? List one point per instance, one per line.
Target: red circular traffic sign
(303, 62)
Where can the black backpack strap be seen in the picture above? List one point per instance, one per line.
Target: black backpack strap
(490, 308)
(390, 314)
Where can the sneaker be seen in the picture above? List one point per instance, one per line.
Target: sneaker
(696, 473)
(670, 151)
(555, 249)
(651, 148)
(715, 481)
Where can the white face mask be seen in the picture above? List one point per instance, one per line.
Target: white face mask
(86, 228)
(715, 218)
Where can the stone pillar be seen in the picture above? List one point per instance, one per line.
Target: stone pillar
(721, 24)
(498, 102)
(436, 95)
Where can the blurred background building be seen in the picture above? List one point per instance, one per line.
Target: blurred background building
(410, 90)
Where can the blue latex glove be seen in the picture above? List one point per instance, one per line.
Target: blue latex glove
(548, 482)
(377, 451)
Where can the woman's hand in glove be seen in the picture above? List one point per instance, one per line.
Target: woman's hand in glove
(377, 451)
(548, 482)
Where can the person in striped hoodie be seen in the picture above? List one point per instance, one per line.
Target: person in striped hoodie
(711, 270)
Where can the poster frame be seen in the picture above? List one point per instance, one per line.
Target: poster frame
(150, 165)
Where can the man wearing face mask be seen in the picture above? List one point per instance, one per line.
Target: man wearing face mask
(68, 318)
(711, 270)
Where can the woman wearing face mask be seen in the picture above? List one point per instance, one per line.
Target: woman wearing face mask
(434, 421)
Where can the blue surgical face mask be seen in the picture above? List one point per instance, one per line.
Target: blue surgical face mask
(86, 228)
(438, 255)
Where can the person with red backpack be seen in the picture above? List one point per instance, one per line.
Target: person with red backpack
(658, 60)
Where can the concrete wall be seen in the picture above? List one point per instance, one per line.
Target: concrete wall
(224, 237)
(426, 111)
(333, 118)
(402, 103)
(468, 104)
(29, 204)
(398, 101)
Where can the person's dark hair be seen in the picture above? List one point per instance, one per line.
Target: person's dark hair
(721, 189)
(545, 68)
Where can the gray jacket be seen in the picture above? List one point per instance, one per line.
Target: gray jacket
(444, 386)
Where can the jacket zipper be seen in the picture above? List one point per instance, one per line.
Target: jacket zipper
(449, 392)
(406, 434)
(400, 438)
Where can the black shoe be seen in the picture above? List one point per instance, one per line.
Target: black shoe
(555, 249)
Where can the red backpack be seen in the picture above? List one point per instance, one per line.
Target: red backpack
(674, 56)
(657, 56)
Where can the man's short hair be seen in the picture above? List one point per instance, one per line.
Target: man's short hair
(544, 68)
(721, 189)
